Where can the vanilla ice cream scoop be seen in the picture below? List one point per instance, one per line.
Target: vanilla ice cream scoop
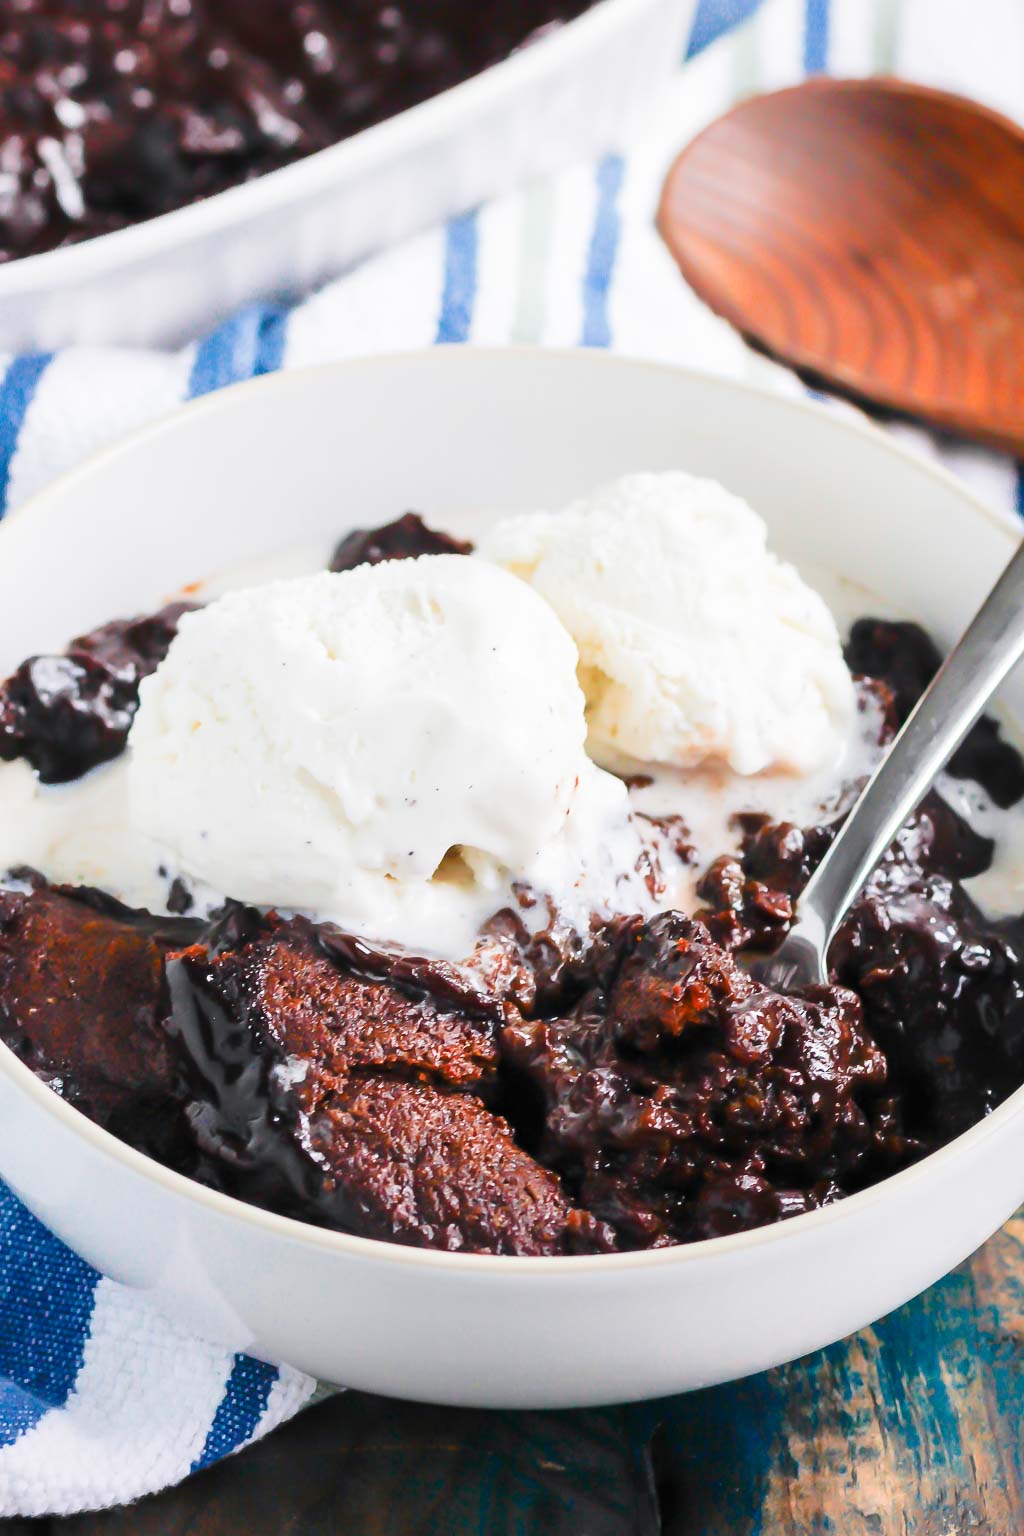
(387, 747)
(697, 645)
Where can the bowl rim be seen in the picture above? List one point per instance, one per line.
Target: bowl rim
(553, 1267)
(101, 254)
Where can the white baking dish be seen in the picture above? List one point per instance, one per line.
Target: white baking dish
(580, 90)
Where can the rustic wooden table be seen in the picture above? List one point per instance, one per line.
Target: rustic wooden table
(912, 1427)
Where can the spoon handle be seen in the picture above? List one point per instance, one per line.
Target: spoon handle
(988, 650)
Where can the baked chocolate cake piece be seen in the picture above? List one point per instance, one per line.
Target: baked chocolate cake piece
(82, 1001)
(66, 714)
(342, 1098)
(438, 1170)
(686, 1101)
(271, 1071)
(291, 986)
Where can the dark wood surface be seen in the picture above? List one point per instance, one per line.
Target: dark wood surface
(913, 1427)
(870, 233)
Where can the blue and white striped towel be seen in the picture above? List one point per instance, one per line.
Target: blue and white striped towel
(101, 1398)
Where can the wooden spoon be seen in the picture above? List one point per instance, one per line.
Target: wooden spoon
(871, 234)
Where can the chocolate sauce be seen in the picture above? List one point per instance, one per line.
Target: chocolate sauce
(905, 659)
(682, 1100)
(242, 1111)
(113, 111)
(404, 539)
(67, 714)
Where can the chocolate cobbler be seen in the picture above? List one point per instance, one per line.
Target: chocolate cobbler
(113, 111)
(631, 1087)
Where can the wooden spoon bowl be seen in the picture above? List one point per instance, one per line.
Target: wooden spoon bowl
(871, 234)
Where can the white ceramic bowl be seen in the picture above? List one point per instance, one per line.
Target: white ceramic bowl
(303, 456)
(582, 89)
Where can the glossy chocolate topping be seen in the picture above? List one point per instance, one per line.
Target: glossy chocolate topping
(67, 713)
(112, 111)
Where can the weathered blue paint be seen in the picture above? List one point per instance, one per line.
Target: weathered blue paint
(912, 1426)
(719, 1450)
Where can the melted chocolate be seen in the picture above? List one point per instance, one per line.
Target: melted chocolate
(905, 659)
(404, 539)
(114, 111)
(682, 1100)
(66, 714)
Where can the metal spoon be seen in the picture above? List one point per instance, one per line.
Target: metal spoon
(988, 651)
